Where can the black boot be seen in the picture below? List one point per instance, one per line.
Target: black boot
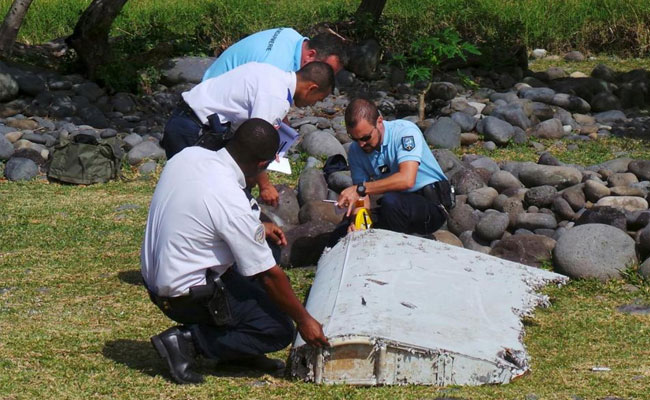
(176, 347)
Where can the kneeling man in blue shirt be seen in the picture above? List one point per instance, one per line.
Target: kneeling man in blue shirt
(392, 158)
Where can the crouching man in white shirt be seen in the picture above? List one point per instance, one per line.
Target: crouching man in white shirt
(206, 263)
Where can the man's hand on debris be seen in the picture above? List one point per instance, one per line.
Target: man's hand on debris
(311, 332)
(348, 198)
(275, 233)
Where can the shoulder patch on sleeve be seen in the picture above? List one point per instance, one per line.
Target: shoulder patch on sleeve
(408, 143)
(259, 234)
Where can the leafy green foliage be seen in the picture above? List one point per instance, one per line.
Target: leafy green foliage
(427, 53)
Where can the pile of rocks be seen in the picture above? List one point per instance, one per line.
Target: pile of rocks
(525, 212)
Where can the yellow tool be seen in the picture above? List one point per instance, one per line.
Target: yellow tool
(362, 219)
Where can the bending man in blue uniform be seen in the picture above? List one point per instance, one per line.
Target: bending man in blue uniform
(393, 159)
(282, 47)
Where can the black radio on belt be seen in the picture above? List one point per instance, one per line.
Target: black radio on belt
(217, 136)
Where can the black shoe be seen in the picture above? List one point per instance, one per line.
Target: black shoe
(176, 347)
(262, 363)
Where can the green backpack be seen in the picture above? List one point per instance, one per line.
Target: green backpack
(85, 160)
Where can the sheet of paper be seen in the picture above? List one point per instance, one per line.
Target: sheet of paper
(282, 166)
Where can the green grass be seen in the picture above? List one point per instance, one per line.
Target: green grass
(596, 25)
(75, 321)
(586, 152)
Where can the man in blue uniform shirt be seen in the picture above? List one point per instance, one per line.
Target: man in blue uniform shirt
(393, 159)
(282, 47)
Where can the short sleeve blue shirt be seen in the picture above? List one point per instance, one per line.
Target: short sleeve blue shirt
(403, 141)
(281, 47)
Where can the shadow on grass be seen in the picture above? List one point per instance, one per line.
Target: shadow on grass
(140, 355)
(132, 277)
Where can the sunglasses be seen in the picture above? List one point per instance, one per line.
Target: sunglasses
(363, 138)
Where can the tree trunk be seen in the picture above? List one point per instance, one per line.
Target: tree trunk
(372, 7)
(11, 25)
(90, 36)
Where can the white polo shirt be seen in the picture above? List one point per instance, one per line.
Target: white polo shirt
(252, 90)
(200, 218)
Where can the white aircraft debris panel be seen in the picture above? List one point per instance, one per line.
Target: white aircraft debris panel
(399, 309)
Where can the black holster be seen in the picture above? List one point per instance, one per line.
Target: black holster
(441, 193)
(217, 136)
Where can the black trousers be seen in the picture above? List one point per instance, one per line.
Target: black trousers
(182, 130)
(255, 327)
(403, 212)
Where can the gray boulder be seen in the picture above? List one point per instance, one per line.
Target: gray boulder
(541, 94)
(563, 209)
(339, 180)
(644, 269)
(93, 116)
(286, 213)
(89, 90)
(364, 58)
(575, 196)
(627, 203)
(322, 144)
(185, 70)
(132, 140)
(8, 88)
(472, 242)
(514, 114)
(611, 116)
(532, 221)
(527, 249)
(605, 101)
(571, 103)
(622, 179)
(549, 129)
(444, 133)
(492, 225)
(503, 180)
(317, 210)
(482, 198)
(462, 218)
(594, 251)
(20, 169)
(533, 175)
(466, 180)
(442, 91)
(603, 215)
(311, 186)
(601, 71)
(495, 129)
(145, 150)
(122, 102)
(305, 244)
(6, 148)
(594, 190)
(540, 196)
(466, 122)
(641, 169)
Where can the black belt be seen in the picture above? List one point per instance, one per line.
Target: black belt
(185, 108)
(196, 292)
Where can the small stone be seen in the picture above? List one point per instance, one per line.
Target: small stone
(627, 203)
(574, 56)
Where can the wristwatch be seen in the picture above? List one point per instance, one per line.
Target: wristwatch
(361, 189)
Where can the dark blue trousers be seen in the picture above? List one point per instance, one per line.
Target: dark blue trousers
(400, 212)
(258, 327)
(409, 213)
(182, 130)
